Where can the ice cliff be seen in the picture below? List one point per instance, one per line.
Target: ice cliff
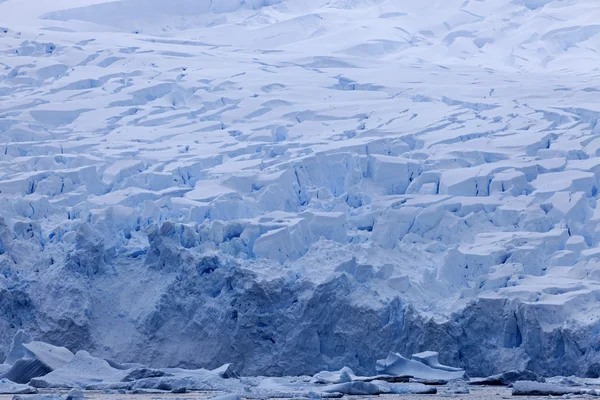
(296, 186)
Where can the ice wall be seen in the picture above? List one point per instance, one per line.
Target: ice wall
(300, 186)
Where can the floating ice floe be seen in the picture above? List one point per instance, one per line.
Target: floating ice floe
(32, 359)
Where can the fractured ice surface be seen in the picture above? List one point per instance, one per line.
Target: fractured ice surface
(297, 186)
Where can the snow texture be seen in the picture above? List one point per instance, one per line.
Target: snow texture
(297, 186)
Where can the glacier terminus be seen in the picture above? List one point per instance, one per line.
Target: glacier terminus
(346, 190)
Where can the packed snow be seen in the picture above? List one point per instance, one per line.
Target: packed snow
(300, 186)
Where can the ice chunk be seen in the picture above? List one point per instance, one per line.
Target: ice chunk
(356, 388)
(17, 350)
(391, 173)
(198, 379)
(141, 373)
(430, 358)
(411, 388)
(52, 356)
(397, 365)
(124, 366)
(24, 370)
(328, 377)
(361, 272)
(38, 359)
(226, 397)
(120, 170)
(8, 387)
(40, 397)
(394, 225)
(457, 387)
(225, 371)
(511, 181)
(80, 372)
(75, 394)
(507, 378)
(466, 182)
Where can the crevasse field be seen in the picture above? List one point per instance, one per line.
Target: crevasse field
(293, 186)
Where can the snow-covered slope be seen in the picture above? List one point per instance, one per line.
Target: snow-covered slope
(293, 186)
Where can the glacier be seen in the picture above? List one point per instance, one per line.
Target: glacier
(297, 186)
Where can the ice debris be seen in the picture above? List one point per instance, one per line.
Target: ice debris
(81, 371)
(355, 388)
(84, 371)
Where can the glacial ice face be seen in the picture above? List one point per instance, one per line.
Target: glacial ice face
(259, 184)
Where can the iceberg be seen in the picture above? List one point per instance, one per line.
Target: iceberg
(422, 366)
